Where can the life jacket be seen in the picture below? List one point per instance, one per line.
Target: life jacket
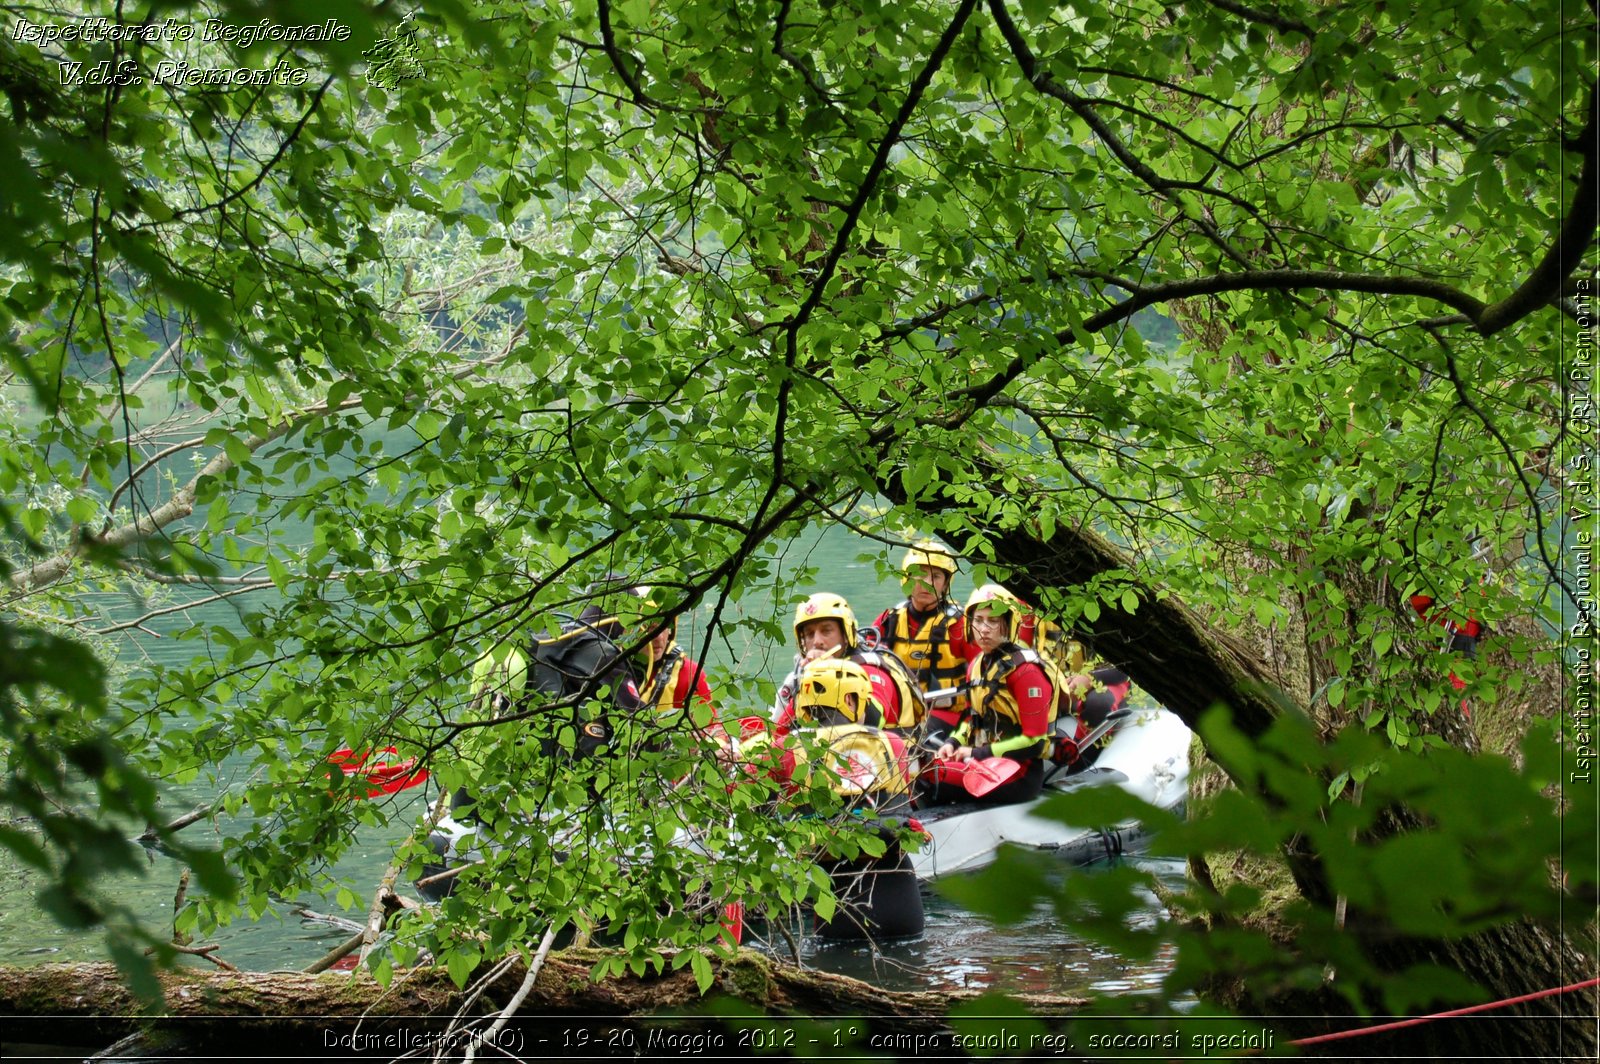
(867, 760)
(928, 654)
(995, 713)
(910, 709)
(498, 679)
(1056, 645)
(580, 661)
(661, 689)
(860, 760)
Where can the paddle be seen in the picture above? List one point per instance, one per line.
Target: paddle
(981, 777)
(977, 778)
(385, 777)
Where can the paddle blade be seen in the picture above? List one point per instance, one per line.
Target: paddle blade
(944, 773)
(383, 777)
(732, 922)
(392, 779)
(981, 777)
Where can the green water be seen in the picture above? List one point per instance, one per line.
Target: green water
(957, 950)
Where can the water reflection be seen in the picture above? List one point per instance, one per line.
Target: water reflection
(963, 951)
(958, 950)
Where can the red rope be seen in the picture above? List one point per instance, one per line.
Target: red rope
(1413, 1021)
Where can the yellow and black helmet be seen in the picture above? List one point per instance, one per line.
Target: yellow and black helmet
(821, 697)
(825, 606)
(930, 554)
(1000, 602)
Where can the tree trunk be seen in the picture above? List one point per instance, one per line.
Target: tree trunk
(1508, 961)
(317, 1015)
(1189, 667)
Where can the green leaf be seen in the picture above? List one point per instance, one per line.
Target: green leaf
(460, 963)
(137, 971)
(703, 975)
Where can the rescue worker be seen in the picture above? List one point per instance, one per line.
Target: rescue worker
(927, 632)
(825, 627)
(1460, 638)
(1109, 694)
(1092, 706)
(835, 701)
(868, 768)
(1015, 696)
(571, 668)
(674, 678)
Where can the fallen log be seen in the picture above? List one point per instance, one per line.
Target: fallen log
(235, 1013)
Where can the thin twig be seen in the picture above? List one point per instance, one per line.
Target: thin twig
(199, 951)
(153, 834)
(341, 922)
(180, 607)
(449, 873)
(339, 953)
(520, 996)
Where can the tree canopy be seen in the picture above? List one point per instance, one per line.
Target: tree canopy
(648, 288)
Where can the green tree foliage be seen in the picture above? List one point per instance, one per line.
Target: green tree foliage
(650, 287)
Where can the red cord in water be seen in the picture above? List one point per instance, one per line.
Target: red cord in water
(1413, 1021)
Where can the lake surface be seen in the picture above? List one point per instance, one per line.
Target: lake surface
(957, 950)
(962, 951)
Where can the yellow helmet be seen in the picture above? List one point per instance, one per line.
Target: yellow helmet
(824, 685)
(824, 606)
(999, 601)
(930, 554)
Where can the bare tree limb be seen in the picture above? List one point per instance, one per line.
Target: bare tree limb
(337, 954)
(528, 981)
(1278, 21)
(1572, 241)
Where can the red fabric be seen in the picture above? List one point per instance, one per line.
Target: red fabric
(897, 747)
(680, 696)
(887, 694)
(785, 721)
(1033, 710)
(701, 690)
(1470, 627)
(733, 922)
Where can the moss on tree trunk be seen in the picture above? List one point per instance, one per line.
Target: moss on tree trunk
(238, 1012)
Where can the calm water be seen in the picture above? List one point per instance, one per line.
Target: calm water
(957, 950)
(961, 951)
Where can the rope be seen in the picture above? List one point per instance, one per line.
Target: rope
(1415, 1020)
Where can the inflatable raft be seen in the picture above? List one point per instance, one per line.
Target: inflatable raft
(1146, 755)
